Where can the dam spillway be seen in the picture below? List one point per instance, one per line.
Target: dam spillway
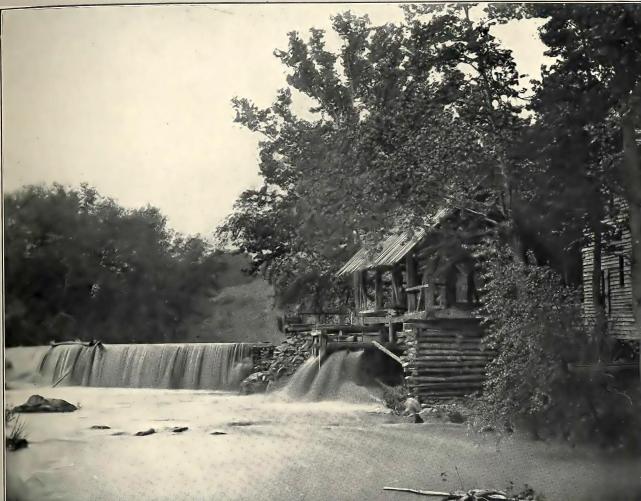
(219, 366)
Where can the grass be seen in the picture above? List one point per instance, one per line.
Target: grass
(16, 436)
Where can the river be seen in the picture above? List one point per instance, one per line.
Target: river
(270, 447)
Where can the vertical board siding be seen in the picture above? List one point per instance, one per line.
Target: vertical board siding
(618, 300)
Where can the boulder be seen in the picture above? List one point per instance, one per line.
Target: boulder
(37, 403)
(412, 406)
(255, 383)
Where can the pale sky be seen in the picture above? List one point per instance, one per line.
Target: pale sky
(136, 100)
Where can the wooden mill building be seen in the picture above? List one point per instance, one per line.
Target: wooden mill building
(422, 304)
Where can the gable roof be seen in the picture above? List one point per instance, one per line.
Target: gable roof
(393, 249)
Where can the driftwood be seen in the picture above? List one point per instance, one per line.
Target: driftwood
(473, 495)
(417, 491)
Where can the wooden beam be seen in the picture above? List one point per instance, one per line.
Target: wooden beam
(333, 346)
(387, 352)
(349, 328)
(417, 288)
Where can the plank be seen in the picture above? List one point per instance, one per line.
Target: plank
(387, 352)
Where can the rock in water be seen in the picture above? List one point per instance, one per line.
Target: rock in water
(36, 403)
(13, 444)
(179, 429)
(150, 431)
(254, 383)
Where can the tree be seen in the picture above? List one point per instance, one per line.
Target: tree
(80, 266)
(597, 73)
(410, 119)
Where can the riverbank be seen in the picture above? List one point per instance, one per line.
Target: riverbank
(265, 448)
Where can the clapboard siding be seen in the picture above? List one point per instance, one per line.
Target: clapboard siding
(616, 269)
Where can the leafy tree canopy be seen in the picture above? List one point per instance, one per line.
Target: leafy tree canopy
(80, 266)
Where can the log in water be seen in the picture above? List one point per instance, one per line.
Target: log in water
(190, 366)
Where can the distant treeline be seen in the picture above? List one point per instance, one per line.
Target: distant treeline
(78, 265)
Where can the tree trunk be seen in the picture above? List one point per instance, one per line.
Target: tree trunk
(631, 177)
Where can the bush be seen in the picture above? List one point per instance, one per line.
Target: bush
(394, 398)
(535, 326)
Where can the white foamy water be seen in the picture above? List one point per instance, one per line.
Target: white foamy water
(180, 366)
(339, 377)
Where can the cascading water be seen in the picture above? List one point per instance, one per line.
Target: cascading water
(189, 366)
(340, 376)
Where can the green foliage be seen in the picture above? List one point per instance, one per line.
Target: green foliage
(80, 266)
(535, 327)
(408, 119)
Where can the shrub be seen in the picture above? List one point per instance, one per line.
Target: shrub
(534, 324)
(394, 397)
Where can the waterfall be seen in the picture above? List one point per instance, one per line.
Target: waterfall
(192, 365)
(340, 377)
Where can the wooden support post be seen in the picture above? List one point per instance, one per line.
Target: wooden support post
(383, 334)
(397, 287)
(322, 347)
(392, 332)
(357, 289)
(378, 289)
(412, 280)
